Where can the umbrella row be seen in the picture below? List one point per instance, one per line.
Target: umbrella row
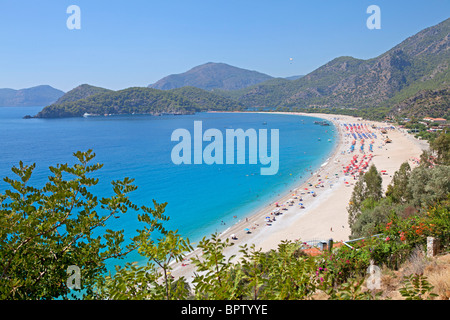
(354, 167)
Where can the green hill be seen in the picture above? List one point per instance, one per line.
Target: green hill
(95, 100)
(81, 92)
(127, 101)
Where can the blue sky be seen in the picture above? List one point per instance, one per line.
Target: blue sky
(136, 42)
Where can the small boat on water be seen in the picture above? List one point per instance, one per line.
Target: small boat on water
(89, 115)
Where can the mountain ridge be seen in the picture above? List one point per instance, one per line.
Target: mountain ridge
(420, 62)
(210, 76)
(33, 96)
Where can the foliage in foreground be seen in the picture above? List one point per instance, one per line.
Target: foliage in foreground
(47, 229)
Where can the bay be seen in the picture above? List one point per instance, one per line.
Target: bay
(202, 199)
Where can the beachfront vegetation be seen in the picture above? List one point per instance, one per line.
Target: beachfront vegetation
(441, 148)
(45, 230)
(410, 192)
(366, 192)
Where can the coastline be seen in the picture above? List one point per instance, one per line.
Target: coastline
(325, 215)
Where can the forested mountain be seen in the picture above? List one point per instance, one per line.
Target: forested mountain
(127, 101)
(294, 77)
(210, 76)
(426, 103)
(35, 96)
(416, 69)
(208, 100)
(420, 62)
(81, 92)
(137, 100)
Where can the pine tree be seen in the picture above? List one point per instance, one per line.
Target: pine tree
(441, 146)
(398, 189)
(367, 188)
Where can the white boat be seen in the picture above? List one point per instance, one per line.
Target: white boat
(90, 115)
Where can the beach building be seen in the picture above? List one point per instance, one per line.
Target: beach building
(435, 120)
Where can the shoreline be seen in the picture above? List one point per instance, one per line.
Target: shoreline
(325, 214)
(288, 191)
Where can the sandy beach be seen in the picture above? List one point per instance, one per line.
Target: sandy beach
(324, 215)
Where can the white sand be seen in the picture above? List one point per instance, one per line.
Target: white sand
(325, 216)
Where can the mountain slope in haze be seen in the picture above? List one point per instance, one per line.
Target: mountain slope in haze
(212, 76)
(420, 62)
(34, 96)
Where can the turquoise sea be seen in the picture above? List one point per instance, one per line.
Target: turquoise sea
(199, 197)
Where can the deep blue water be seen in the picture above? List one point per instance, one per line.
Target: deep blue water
(139, 146)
